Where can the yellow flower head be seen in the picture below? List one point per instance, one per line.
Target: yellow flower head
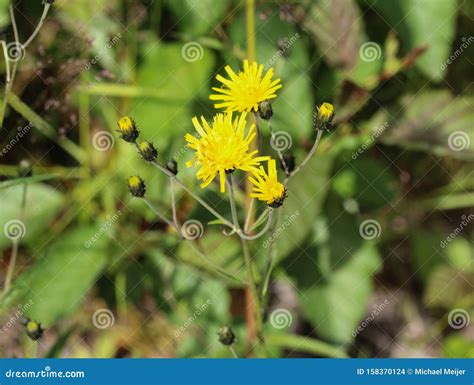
(222, 147)
(127, 129)
(326, 112)
(266, 186)
(245, 90)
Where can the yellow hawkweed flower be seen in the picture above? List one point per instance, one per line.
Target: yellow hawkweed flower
(245, 90)
(222, 147)
(266, 186)
(127, 129)
(326, 112)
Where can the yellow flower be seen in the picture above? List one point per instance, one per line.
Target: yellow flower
(266, 186)
(326, 112)
(128, 129)
(222, 147)
(245, 90)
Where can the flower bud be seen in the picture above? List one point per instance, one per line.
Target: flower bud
(172, 166)
(278, 202)
(137, 187)
(265, 110)
(325, 115)
(24, 168)
(33, 329)
(147, 151)
(127, 129)
(226, 336)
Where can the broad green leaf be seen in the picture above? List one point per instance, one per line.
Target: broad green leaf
(58, 282)
(336, 27)
(337, 303)
(423, 22)
(166, 68)
(43, 202)
(433, 121)
(306, 194)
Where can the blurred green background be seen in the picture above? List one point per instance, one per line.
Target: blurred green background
(400, 156)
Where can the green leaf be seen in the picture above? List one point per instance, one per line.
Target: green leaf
(165, 68)
(26, 180)
(4, 15)
(304, 344)
(336, 27)
(43, 202)
(432, 121)
(336, 305)
(424, 22)
(458, 346)
(58, 282)
(197, 17)
(306, 194)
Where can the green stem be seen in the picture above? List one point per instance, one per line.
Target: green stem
(15, 246)
(305, 344)
(121, 293)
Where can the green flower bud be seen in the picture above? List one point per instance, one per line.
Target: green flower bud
(137, 187)
(147, 151)
(172, 167)
(265, 110)
(226, 336)
(25, 169)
